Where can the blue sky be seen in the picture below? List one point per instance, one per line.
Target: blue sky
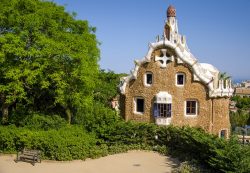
(217, 31)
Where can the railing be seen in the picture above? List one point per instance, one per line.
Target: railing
(244, 139)
(224, 89)
(163, 121)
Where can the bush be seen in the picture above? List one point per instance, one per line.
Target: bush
(101, 117)
(63, 144)
(37, 121)
(232, 157)
(186, 143)
(42, 122)
(127, 133)
(190, 167)
(210, 151)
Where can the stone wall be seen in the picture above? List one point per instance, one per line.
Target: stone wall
(220, 119)
(164, 79)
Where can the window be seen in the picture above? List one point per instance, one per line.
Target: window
(162, 105)
(191, 108)
(162, 110)
(139, 105)
(148, 79)
(180, 78)
(223, 133)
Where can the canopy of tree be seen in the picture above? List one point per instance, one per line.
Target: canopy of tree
(48, 59)
(106, 87)
(242, 116)
(242, 102)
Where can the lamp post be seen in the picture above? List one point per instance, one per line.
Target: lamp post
(244, 131)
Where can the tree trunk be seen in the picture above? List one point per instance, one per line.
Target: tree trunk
(5, 113)
(69, 115)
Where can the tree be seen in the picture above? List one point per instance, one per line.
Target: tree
(242, 102)
(239, 118)
(48, 59)
(107, 86)
(242, 116)
(224, 76)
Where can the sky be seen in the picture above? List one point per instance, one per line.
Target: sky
(217, 31)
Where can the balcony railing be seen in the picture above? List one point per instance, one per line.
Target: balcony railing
(162, 120)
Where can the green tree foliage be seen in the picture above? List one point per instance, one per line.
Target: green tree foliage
(242, 102)
(242, 116)
(239, 118)
(224, 76)
(43, 122)
(107, 86)
(48, 59)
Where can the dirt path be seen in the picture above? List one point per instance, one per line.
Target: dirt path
(131, 162)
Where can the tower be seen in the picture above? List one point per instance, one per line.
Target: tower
(171, 28)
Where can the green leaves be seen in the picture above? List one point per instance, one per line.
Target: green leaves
(109, 135)
(44, 49)
(242, 116)
(63, 144)
(107, 86)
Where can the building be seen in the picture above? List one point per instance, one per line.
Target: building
(170, 86)
(242, 92)
(246, 84)
(243, 89)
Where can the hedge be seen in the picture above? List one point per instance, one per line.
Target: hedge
(68, 143)
(74, 142)
(186, 143)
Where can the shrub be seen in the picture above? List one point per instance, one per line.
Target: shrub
(101, 117)
(63, 144)
(186, 143)
(210, 151)
(190, 167)
(38, 121)
(43, 122)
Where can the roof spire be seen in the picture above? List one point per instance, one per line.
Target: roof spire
(171, 12)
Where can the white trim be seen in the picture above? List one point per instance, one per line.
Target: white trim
(163, 121)
(163, 97)
(201, 72)
(145, 79)
(135, 105)
(196, 108)
(176, 79)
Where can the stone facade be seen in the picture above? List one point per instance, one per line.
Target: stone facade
(165, 60)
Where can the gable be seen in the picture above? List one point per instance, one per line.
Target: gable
(205, 73)
(172, 41)
(164, 79)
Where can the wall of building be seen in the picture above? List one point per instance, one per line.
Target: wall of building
(164, 79)
(242, 92)
(220, 119)
(213, 114)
